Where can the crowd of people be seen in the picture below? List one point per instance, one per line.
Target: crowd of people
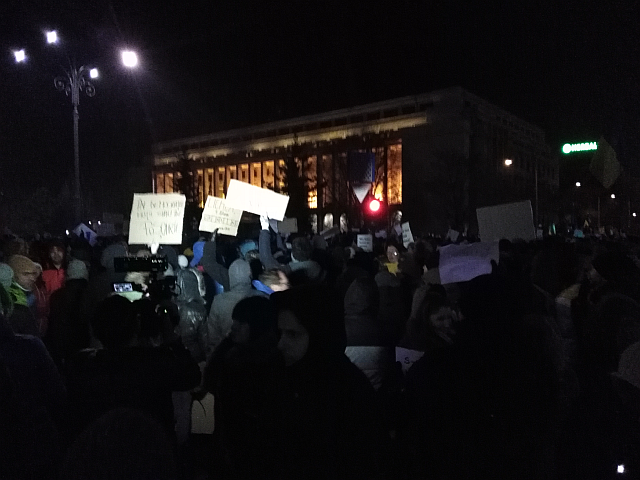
(532, 371)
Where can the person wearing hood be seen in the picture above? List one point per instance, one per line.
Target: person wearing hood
(301, 269)
(220, 317)
(329, 425)
(193, 316)
(216, 276)
(367, 346)
(25, 296)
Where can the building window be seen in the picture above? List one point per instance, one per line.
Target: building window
(244, 172)
(159, 182)
(340, 192)
(256, 174)
(168, 183)
(378, 185)
(311, 179)
(208, 183)
(232, 174)
(394, 174)
(280, 177)
(268, 174)
(313, 220)
(344, 223)
(220, 183)
(201, 194)
(327, 180)
(328, 221)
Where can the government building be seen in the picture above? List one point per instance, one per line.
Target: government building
(438, 157)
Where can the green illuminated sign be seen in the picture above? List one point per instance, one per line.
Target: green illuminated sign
(579, 147)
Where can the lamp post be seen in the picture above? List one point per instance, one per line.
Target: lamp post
(76, 81)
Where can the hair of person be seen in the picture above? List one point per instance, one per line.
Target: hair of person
(270, 277)
(122, 444)
(301, 249)
(258, 313)
(115, 322)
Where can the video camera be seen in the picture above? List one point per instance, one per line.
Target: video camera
(159, 289)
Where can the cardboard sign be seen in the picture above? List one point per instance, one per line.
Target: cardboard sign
(407, 236)
(156, 218)
(83, 231)
(218, 215)
(407, 357)
(287, 226)
(365, 242)
(509, 220)
(461, 263)
(260, 201)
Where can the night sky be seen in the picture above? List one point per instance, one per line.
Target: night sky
(570, 67)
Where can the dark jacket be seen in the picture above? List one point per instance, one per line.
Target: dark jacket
(132, 377)
(193, 316)
(308, 271)
(69, 330)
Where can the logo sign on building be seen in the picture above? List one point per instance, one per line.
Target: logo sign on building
(260, 201)
(365, 242)
(579, 147)
(362, 167)
(156, 218)
(510, 220)
(218, 215)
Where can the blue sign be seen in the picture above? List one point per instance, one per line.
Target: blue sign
(362, 167)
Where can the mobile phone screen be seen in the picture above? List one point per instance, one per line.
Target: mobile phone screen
(122, 287)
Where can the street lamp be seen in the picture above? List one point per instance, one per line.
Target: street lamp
(129, 58)
(578, 184)
(508, 162)
(19, 55)
(52, 37)
(613, 195)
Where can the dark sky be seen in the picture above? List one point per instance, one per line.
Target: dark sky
(571, 67)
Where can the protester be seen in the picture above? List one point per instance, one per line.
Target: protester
(240, 376)
(54, 273)
(69, 330)
(193, 316)
(123, 374)
(220, 318)
(26, 297)
(271, 281)
(330, 428)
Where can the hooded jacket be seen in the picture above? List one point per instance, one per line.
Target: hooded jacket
(193, 316)
(310, 269)
(219, 321)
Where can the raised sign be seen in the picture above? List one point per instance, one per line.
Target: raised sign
(219, 215)
(260, 201)
(156, 218)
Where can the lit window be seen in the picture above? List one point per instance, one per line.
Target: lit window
(256, 174)
(268, 174)
(394, 174)
(160, 183)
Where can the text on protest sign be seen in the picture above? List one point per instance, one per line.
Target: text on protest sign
(461, 263)
(407, 236)
(365, 242)
(156, 218)
(219, 215)
(407, 357)
(260, 201)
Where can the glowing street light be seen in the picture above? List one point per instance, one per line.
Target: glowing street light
(508, 162)
(613, 195)
(578, 184)
(129, 58)
(634, 214)
(93, 73)
(20, 55)
(52, 37)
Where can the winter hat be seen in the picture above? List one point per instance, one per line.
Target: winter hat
(247, 246)
(239, 274)
(198, 251)
(183, 262)
(77, 270)
(20, 263)
(629, 366)
(6, 275)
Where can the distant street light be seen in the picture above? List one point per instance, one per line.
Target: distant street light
(93, 73)
(634, 214)
(508, 162)
(129, 58)
(20, 55)
(52, 37)
(613, 195)
(578, 184)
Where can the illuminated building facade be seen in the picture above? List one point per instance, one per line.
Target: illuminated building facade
(438, 157)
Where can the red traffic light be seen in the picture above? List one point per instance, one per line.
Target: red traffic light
(374, 205)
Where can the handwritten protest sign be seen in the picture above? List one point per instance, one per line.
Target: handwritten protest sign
(509, 220)
(217, 214)
(156, 218)
(461, 263)
(260, 201)
(407, 357)
(407, 236)
(365, 242)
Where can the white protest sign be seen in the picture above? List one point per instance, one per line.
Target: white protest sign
(287, 226)
(509, 220)
(407, 357)
(407, 236)
(365, 242)
(83, 231)
(156, 218)
(461, 263)
(217, 214)
(260, 201)
(330, 232)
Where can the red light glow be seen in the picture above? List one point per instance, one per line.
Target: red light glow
(374, 205)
